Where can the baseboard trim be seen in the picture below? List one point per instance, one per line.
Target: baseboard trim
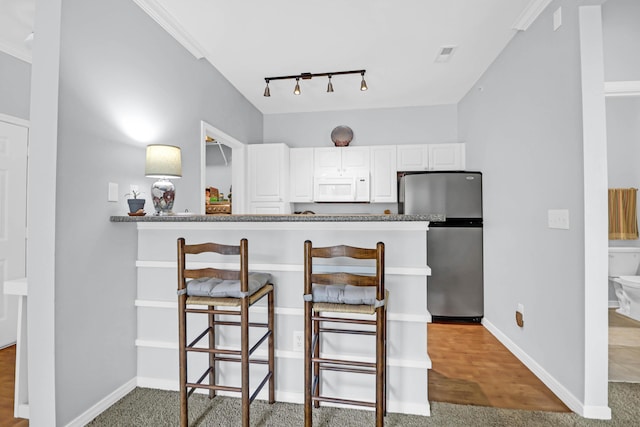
(290, 397)
(556, 387)
(614, 304)
(104, 404)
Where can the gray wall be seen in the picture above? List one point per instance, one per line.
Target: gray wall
(119, 70)
(15, 86)
(621, 33)
(523, 129)
(412, 125)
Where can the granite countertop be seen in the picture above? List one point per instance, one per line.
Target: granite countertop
(278, 218)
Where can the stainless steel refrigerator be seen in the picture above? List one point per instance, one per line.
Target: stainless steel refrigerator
(454, 246)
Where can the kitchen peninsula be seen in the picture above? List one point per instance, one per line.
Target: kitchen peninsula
(276, 246)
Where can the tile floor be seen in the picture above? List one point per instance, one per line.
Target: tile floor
(624, 348)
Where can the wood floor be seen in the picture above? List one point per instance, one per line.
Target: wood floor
(7, 381)
(470, 366)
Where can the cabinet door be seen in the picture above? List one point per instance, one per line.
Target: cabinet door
(327, 161)
(268, 172)
(446, 156)
(301, 175)
(266, 208)
(412, 157)
(384, 188)
(355, 160)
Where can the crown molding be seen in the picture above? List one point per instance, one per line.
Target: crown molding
(529, 14)
(622, 88)
(171, 26)
(21, 54)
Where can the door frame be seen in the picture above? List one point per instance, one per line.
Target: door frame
(238, 155)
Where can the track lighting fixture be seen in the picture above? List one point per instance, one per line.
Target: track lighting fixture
(267, 92)
(308, 76)
(296, 91)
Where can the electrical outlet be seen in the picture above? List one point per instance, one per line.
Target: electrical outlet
(558, 218)
(298, 341)
(520, 315)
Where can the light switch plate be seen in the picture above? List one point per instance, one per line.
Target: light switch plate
(557, 18)
(558, 218)
(113, 192)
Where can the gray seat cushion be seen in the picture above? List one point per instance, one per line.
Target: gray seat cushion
(344, 294)
(218, 288)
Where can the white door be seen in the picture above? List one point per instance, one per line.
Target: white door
(13, 214)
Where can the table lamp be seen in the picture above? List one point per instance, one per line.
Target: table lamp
(163, 162)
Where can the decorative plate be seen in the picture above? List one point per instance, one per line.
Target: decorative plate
(341, 136)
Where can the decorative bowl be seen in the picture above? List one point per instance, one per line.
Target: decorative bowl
(341, 136)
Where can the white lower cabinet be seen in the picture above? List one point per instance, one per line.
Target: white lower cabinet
(384, 187)
(269, 208)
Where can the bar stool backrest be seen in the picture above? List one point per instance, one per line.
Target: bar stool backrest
(198, 273)
(342, 278)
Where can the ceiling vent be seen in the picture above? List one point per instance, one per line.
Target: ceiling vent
(445, 53)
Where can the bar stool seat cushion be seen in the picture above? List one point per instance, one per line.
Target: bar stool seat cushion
(218, 288)
(344, 294)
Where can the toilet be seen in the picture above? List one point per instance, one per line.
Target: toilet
(623, 272)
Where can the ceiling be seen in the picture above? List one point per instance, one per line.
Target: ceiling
(396, 41)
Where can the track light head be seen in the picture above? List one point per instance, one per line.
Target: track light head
(296, 91)
(267, 92)
(363, 83)
(330, 85)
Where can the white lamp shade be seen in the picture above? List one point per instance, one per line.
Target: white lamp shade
(163, 161)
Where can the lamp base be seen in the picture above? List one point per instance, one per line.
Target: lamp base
(163, 193)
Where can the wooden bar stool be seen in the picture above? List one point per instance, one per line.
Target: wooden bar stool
(211, 288)
(343, 293)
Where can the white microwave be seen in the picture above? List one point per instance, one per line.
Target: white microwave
(350, 188)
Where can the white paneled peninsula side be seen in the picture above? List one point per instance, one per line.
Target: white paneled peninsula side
(276, 246)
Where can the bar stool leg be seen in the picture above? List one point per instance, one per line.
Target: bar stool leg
(212, 356)
(308, 421)
(182, 356)
(316, 365)
(272, 393)
(380, 367)
(244, 337)
(384, 359)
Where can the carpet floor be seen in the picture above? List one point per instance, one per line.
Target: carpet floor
(149, 407)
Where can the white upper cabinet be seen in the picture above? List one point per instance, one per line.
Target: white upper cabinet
(301, 175)
(426, 157)
(384, 187)
(446, 156)
(413, 157)
(339, 161)
(268, 172)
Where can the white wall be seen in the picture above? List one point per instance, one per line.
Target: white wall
(15, 86)
(523, 128)
(119, 87)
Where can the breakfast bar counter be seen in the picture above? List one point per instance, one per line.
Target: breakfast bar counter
(276, 246)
